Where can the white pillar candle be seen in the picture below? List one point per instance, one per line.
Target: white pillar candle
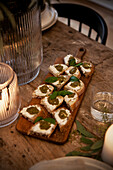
(107, 151)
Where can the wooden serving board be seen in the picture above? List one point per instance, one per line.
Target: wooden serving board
(58, 137)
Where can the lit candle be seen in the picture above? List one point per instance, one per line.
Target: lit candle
(107, 151)
(9, 95)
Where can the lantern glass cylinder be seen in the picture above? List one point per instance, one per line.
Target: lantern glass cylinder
(9, 95)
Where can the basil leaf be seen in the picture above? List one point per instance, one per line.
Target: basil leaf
(77, 153)
(51, 120)
(51, 79)
(64, 93)
(55, 88)
(72, 62)
(86, 148)
(96, 150)
(54, 95)
(98, 144)
(59, 93)
(86, 141)
(38, 119)
(83, 131)
(73, 78)
(79, 64)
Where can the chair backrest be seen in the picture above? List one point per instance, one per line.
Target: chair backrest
(84, 15)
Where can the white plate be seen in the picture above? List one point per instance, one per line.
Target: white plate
(48, 17)
(72, 163)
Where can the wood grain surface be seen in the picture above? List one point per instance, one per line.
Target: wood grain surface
(18, 151)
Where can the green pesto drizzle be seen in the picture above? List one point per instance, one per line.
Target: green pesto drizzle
(44, 89)
(59, 67)
(62, 114)
(44, 125)
(32, 110)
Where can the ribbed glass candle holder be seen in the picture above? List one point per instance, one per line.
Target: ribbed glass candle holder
(9, 95)
(20, 32)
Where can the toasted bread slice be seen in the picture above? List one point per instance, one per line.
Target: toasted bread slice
(42, 90)
(51, 104)
(77, 86)
(69, 57)
(42, 128)
(57, 69)
(72, 100)
(31, 112)
(73, 71)
(62, 80)
(87, 68)
(62, 116)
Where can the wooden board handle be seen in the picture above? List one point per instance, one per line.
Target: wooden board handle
(81, 52)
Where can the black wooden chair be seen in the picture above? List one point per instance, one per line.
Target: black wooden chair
(84, 15)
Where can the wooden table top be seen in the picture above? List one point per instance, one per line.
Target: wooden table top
(18, 151)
